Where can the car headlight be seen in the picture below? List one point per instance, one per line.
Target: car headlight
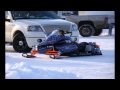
(74, 27)
(35, 28)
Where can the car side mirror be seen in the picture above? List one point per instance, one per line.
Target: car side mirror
(8, 20)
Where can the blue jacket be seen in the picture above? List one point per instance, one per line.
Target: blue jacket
(54, 40)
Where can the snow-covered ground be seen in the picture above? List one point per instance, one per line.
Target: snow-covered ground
(82, 67)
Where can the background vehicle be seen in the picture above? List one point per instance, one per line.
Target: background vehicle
(25, 28)
(89, 22)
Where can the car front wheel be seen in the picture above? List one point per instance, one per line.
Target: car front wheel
(20, 44)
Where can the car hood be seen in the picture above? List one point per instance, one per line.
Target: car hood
(43, 22)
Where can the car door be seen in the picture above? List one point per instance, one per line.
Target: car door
(8, 27)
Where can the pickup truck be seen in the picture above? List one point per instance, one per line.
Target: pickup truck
(25, 29)
(90, 22)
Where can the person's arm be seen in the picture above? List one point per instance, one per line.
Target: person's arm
(68, 38)
(53, 33)
(51, 40)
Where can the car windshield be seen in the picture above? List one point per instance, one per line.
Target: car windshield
(34, 15)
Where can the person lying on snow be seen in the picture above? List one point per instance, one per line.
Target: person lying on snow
(66, 46)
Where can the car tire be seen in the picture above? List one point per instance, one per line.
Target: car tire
(86, 30)
(20, 44)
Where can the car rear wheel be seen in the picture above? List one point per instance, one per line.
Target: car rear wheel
(86, 30)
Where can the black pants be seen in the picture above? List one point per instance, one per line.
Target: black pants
(110, 29)
(82, 46)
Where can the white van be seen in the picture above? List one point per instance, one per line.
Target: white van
(25, 28)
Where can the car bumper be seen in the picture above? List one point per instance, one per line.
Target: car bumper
(31, 41)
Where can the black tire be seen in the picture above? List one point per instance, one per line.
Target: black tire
(23, 47)
(86, 30)
(97, 32)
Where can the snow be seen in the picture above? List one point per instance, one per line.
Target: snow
(82, 67)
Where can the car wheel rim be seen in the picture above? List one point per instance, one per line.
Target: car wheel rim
(21, 44)
(85, 31)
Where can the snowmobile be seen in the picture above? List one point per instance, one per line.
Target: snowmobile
(57, 45)
(54, 53)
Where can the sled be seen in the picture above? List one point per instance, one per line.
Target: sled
(54, 54)
(51, 52)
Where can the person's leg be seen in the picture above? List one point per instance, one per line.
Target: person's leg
(82, 46)
(110, 29)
